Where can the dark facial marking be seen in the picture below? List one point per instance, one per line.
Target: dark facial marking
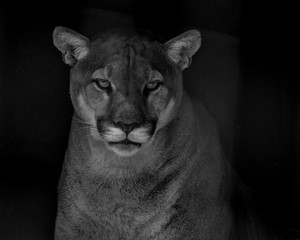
(177, 217)
(168, 162)
(161, 186)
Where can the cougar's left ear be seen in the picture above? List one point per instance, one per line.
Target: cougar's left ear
(73, 45)
(183, 47)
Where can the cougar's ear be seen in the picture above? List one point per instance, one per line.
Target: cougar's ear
(183, 47)
(73, 45)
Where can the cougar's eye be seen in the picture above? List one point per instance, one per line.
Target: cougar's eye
(152, 85)
(102, 84)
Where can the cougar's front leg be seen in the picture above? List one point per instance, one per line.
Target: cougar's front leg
(70, 224)
(75, 225)
(64, 228)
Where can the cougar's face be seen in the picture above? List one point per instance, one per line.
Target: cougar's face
(125, 89)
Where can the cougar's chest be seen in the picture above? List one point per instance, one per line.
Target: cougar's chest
(122, 220)
(134, 215)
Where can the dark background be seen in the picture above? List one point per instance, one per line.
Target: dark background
(246, 72)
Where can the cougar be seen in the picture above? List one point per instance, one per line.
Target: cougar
(144, 159)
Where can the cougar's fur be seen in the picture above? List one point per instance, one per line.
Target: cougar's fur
(144, 159)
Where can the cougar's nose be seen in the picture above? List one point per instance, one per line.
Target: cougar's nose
(127, 116)
(126, 127)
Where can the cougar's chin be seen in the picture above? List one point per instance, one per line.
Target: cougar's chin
(124, 148)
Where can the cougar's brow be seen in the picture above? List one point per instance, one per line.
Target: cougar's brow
(131, 49)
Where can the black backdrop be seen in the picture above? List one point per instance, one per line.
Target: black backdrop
(35, 110)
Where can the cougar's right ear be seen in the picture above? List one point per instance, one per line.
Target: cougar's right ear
(73, 45)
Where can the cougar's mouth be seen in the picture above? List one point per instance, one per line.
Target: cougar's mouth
(126, 142)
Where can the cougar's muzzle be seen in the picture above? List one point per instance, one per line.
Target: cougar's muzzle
(126, 129)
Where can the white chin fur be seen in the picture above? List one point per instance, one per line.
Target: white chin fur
(124, 153)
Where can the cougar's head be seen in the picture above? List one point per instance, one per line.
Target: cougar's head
(124, 84)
